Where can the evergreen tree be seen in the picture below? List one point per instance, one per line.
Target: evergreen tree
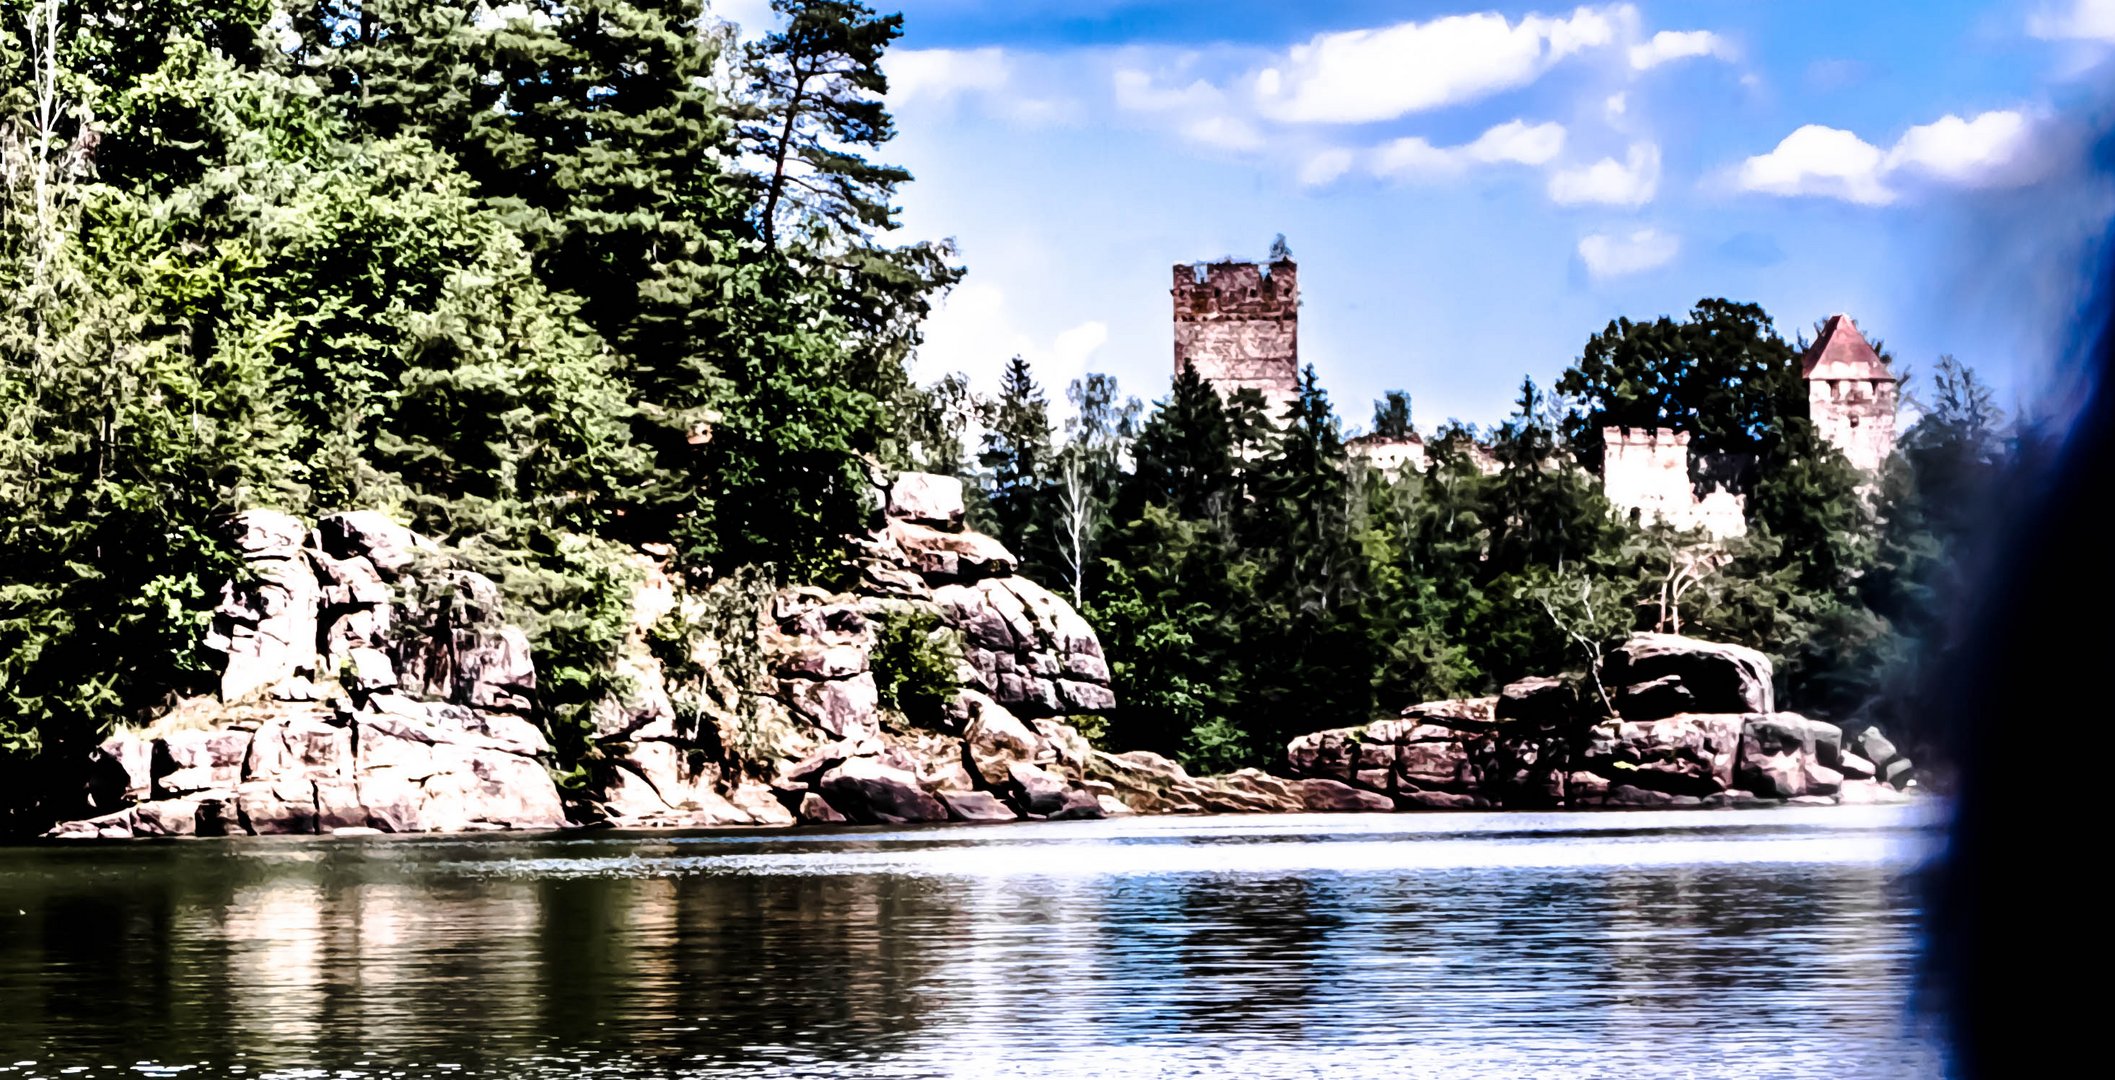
(1184, 456)
(1391, 416)
(820, 82)
(1313, 583)
(1016, 458)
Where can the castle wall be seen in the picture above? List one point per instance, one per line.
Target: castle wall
(1647, 470)
(1392, 456)
(1857, 416)
(1238, 324)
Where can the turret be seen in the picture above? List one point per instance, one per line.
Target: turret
(1851, 394)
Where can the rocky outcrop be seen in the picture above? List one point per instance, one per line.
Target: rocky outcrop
(1785, 756)
(392, 764)
(1659, 675)
(807, 729)
(358, 690)
(1695, 728)
(1028, 649)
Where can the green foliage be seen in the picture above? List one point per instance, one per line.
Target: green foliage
(711, 649)
(507, 278)
(916, 661)
(1391, 416)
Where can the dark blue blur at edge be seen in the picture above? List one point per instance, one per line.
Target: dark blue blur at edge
(2017, 927)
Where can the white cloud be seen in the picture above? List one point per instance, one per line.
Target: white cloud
(1199, 111)
(1324, 166)
(754, 18)
(1822, 161)
(1668, 46)
(1225, 132)
(1514, 142)
(1973, 153)
(2078, 20)
(1630, 182)
(973, 330)
(945, 74)
(991, 78)
(1993, 149)
(1359, 76)
(1609, 256)
(1618, 104)
(1136, 91)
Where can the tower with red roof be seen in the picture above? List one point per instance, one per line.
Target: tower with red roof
(1851, 394)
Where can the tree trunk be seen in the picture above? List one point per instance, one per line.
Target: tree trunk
(778, 162)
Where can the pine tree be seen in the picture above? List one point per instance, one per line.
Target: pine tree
(1017, 461)
(1184, 456)
(1391, 416)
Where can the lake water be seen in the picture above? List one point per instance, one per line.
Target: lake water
(1708, 944)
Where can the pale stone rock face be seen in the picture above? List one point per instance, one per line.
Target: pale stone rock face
(1679, 755)
(815, 810)
(172, 817)
(976, 806)
(192, 761)
(1785, 755)
(403, 702)
(391, 548)
(866, 790)
(995, 739)
(265, 626)
(307, 620)
(1654, 675)
(1028, 649)
(1330, 797)
(463, 651)
(926, 499)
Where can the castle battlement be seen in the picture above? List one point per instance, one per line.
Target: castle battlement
(1239, 290)
(1645, 437)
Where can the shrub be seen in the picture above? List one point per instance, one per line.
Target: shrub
(916, 662)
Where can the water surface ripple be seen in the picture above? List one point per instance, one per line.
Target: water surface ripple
(1698, 944)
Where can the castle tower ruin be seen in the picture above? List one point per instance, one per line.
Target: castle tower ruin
(1238, 323)
(1851, 394)
(1646, 471)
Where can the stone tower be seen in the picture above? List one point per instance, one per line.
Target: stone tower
(1851, 394)
(1239, 324)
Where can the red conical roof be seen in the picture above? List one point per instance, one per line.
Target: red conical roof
(1841, 352)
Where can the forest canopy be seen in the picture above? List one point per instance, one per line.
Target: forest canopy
(544, 279)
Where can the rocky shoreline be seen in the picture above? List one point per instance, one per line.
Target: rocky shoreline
(1695, 726)
(371, 683)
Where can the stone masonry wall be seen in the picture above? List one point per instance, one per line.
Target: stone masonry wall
(1857, 416)
(1238, 324)
(1647, 470)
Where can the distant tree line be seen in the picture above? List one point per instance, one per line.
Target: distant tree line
(1253, 580)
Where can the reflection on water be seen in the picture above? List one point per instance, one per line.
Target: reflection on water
(1692, 944)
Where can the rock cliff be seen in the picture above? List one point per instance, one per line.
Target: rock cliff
(365, 684)
(1697, 726)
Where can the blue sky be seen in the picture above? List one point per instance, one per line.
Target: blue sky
(1472, 191)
